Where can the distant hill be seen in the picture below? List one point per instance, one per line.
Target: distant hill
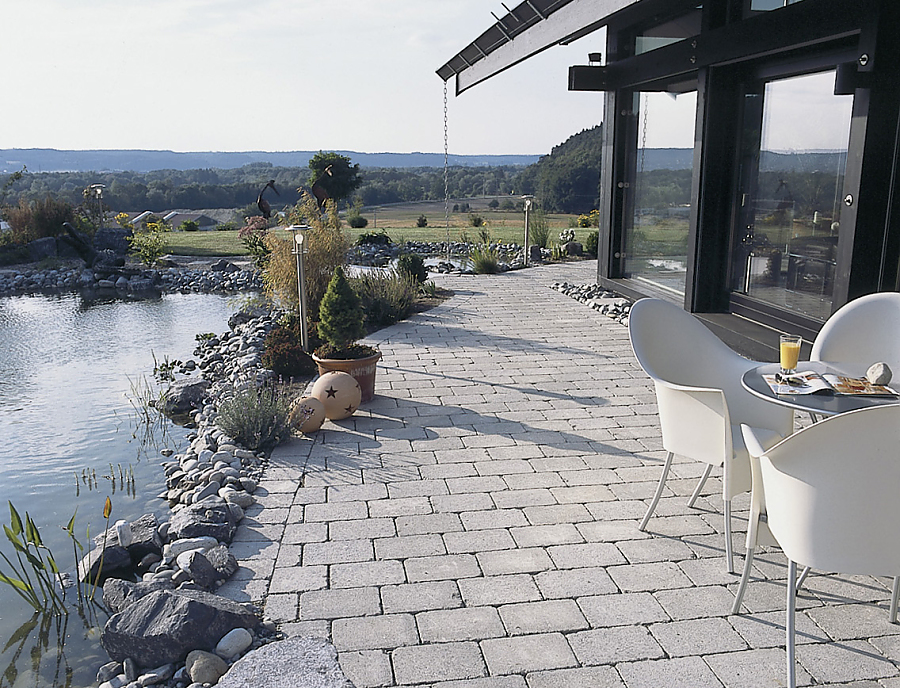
(52, 160)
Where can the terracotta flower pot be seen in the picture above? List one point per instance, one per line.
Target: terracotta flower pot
(363, 369)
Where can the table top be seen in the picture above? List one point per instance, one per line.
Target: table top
(822, 404)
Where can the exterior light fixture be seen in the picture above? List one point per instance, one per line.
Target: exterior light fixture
(528, 201)
(300, 247)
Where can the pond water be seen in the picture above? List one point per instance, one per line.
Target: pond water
(69, 438)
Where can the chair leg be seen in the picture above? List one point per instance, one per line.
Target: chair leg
(789, 626)
(745, 578)
(802, 579)
(659, 490)
(895, 596)
(813, 417)
(700, 485)
(729, 549)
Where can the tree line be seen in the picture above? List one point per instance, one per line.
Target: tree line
(564, 181)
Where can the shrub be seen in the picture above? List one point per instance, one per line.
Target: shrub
(327, 248)
(485, 260)
(494, 204)
(379, 238)
(592, 219)
(257, 418)
(340, 314)
(476, 220)
(386, 297)
(508, 204)
(413, 265)
(253, 237)
(147, 243)
(38, 219)
(538, 228)
(590, 243)
(283, 352)
(421, 221)
(357, 221)
(189, 226)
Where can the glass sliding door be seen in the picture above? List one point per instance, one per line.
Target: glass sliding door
(794, 151)
(657, 219)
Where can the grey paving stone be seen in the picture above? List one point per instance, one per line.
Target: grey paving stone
(408, 546)
(362, 493)
(416, 488)
(613, 645)
(697, 637)
(374, 632)
(367, 668)
(361, 529)
(301, 533)
(655, 549)
(542, 536)
(763, 668)
(585, 677)
(479, 540)
(296, 579)
(622, 609)
(428, 523)
(853, 621)
(656, 576)
(457, 503)
(530, 560)
(447, 567)
(496, 518)
(418, 597)
(542, 617)
(470, 623)
(684, 672)
(481, 483)
(498, 590)
(335, 604)
(841, 662)
(437, 662)
(588, 554)
(281, 607)
(528, 653)
(519, 498)
(694, 603)
(527, 481)
(592, 580)
(368, 573)
(337, 552)
(557, 513)
(336, 511)
(406, 506)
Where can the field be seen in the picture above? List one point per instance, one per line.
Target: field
(399, 222)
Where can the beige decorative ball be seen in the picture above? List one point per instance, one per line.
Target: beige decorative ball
(307, 415)
(339, 392)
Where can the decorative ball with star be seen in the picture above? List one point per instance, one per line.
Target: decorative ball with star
(307, 415)
(339, 392)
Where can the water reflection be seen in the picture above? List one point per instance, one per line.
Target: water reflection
(69, 440)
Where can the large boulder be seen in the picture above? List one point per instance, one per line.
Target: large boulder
(164, 626)
(291, 663)
(210, 517)
(119, 594)
(39, 249)
(108, 555)
(145, 537)
(182, 396)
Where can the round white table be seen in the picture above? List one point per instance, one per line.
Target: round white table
(821, 403)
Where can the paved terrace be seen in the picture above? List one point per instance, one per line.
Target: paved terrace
(476, 524)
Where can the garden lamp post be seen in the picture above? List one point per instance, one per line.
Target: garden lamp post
(528, 199)
(97, 190)
(300, 247)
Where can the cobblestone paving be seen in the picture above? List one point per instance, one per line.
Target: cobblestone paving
(476, 524)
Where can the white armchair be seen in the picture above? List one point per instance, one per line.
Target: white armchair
(830, 493)
(860, 333)
(701, 400)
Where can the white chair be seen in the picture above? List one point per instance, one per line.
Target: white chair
(860, 333)
(701, 400)
(830, 493)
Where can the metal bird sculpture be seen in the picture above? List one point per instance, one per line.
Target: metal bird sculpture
(319, 191)
(262, 203)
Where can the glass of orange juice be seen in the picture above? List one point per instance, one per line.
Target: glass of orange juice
(789, 350)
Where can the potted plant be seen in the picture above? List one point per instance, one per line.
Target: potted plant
(341, 324)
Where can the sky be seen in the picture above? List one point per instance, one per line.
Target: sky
(275, 75)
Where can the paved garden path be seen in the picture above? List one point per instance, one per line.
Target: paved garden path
(476, 524)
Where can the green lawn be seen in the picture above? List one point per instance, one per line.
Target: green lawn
(209, 243)
(399, 222)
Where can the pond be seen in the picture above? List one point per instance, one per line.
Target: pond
(69, 372)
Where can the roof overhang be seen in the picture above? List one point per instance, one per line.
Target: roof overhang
(526, 30)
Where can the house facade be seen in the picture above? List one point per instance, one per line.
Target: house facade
(789, 208)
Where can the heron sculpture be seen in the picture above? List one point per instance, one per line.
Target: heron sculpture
(319, 191)
(262, 203)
